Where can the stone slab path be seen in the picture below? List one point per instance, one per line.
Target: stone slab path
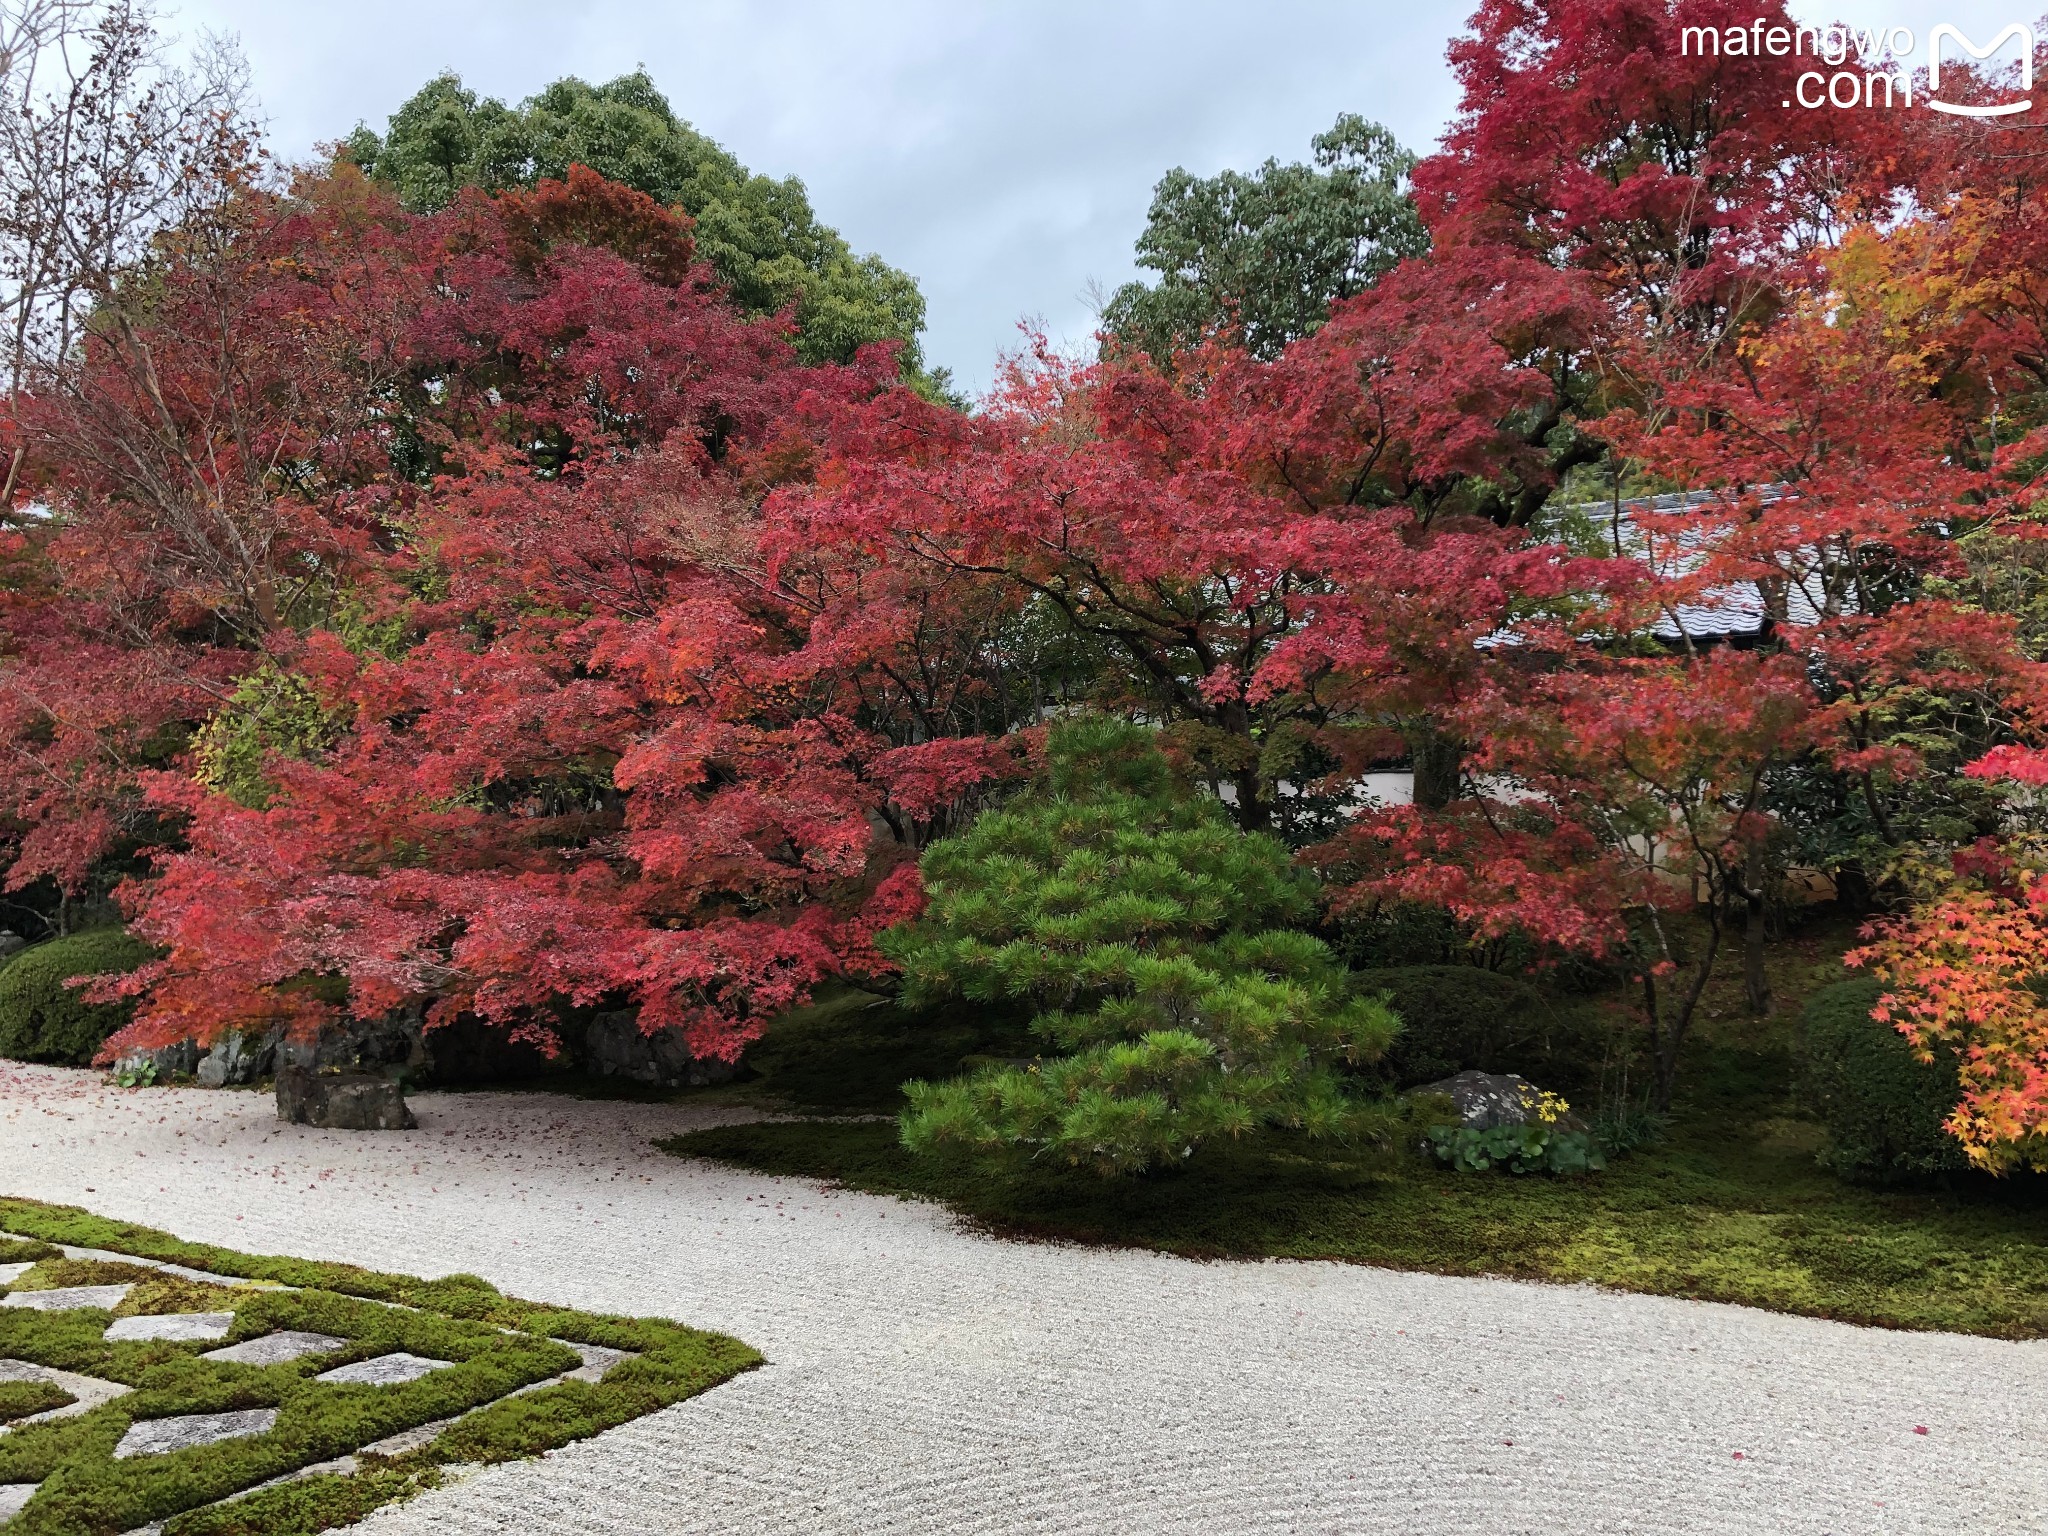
(924, 1379)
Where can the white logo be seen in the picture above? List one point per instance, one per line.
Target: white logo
(2017, 30)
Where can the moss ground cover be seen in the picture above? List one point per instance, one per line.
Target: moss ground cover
(1729, 1205)
(495, 1346)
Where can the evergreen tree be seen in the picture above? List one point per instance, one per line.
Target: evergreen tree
(1154, 938)
(760, 235)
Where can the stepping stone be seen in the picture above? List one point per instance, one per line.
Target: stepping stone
(105, 1297)
(9, 1273)
(155, 1437)
(179, 1327)
(89, 1391)
(14, 1498)
(407, 1439)
(276, 1348)
(392, 1370)
(597, 1359)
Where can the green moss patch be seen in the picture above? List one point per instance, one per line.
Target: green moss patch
(19, 1399)
(1729, 1204)
(493, 1346)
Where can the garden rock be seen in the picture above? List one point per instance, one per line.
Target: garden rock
(166, 1061)
(11, 943)
(238, 1058)
(277, 1348)
(177, 1327)
(614, 1046)
(155, 1437)
(392, 1370)
(65, 1298)
(393, 1043)
(342, 1101)
(1484, 1100)
(14, 1499)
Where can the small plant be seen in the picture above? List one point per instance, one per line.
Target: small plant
(1518, 1148)
(1544, 1143)
(1628, 1125)
(141, 1074)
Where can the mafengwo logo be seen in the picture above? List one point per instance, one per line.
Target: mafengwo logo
(1882, 73)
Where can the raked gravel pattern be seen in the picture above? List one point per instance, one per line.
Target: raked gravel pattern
(926, 1379)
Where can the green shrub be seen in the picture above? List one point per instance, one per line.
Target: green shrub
(42, 1019)
(1156, 942)
(1882, 1107)
(1458, 1018)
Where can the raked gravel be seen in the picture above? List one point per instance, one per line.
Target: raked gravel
(923, 1378)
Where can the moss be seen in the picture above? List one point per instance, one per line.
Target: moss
(14, 1250)
(19, 1399)
(310, 1504)
(58, 1273)
(495, 1344)
(1730, 1206)
(42, 1018)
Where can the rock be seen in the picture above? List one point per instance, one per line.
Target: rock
(392, 1370)
(65, 1298)
(178, 1327)
(238, 1058)
(169, 1061)
(393, 1044)
(155, 1437)
(342, 1101)
(276, 1348)
(614, 1046)
(1486, 1099)
(597, 1359)
(11, 943)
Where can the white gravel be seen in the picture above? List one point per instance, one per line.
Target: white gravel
(922, 1378)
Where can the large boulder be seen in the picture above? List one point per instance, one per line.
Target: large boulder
(342, 1101)
(393, 1044)
(615, 1046)
(238, 1058)
(1484, 1100)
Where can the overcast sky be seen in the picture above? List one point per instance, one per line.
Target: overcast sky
(1004, 155)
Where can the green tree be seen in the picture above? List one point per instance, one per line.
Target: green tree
(760, 235)
(1266, 255)
(1154, 938)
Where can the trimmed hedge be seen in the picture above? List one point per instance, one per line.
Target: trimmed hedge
(42, 1019)
(1457, 1018)
(1882, 1107)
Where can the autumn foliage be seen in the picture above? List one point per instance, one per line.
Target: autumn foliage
(480, 610)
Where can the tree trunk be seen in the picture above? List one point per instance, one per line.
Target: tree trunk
(1253, 813)
(1438, 762)
(1853, 891)
(1667, 1038)
(1754, 980)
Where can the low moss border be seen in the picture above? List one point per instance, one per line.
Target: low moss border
(498, 1343)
